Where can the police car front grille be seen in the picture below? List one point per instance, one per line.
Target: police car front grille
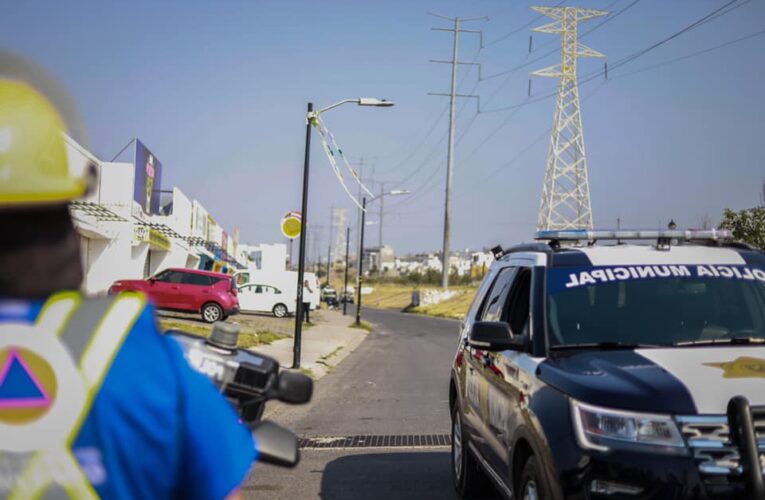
(377, 441)
(709, 440)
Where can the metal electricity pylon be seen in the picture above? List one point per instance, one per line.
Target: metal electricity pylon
(566, 193)
(339, 221)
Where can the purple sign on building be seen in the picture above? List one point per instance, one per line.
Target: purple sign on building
(148, 179)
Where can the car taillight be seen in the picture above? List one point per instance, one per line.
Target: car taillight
(233, 289)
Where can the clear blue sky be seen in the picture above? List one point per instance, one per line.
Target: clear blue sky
(218, 91)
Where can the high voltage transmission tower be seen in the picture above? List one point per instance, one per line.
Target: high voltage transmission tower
(566, 192)
(453, 95)
(339, 219)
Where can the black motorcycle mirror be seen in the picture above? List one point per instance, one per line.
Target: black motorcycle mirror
(274, 444)
(293, 388)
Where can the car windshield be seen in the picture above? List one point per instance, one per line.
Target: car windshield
(655, 305)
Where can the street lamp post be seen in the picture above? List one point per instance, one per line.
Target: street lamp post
(301, 258)
(360, 260)
(310, 116)
(395, 192)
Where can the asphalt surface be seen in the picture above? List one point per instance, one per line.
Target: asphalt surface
(395, 383)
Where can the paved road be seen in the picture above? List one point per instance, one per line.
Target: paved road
(395, 383)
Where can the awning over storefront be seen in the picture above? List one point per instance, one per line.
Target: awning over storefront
(94, 221)
(94, 210)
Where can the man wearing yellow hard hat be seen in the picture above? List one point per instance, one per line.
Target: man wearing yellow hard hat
(94, 402)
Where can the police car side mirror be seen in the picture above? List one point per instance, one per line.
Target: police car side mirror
(495, 336)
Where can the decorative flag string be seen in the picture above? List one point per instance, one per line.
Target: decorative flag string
(330, 146)
(353, 172)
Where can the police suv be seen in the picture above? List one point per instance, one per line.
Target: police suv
(591, 368)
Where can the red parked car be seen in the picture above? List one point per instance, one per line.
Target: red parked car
(213, 295)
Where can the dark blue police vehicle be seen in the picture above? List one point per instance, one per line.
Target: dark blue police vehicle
(592, 368)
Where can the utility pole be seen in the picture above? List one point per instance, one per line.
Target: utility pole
(360, 262)
(360, 219)
(379, 239)
(452, 111)
(565, 200)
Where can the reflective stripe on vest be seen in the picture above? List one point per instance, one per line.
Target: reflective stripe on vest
(78, 340)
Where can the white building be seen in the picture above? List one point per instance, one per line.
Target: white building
(482, 260)
(121, 241)
(267, 257)
(379, 259)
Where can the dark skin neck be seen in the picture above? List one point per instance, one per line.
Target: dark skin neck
(39, 252)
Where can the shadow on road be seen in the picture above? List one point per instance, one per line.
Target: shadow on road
(389, 476)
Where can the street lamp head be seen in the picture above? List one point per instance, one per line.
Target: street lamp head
(397, 192)
(373, 101)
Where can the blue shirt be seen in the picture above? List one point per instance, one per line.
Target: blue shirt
(157, 428)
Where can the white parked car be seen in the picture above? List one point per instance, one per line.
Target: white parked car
(265, 298)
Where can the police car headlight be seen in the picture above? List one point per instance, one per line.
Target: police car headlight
(604, 429)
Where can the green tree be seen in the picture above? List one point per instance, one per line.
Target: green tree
(746, 225)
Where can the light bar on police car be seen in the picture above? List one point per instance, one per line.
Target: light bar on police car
(622, 234)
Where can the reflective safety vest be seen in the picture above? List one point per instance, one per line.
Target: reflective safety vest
(50, 374)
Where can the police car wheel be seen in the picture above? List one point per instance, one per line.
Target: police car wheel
(280, 310)
(469, 481)
(532, 484)
(212, 312)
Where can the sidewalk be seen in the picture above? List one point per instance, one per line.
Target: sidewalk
(324, 345)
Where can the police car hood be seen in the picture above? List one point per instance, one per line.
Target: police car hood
(692, 380)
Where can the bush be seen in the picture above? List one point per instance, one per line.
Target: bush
(746, 225)
(430, 277)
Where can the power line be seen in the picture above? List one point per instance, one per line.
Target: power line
(709, 17)
(435, 125)
(527, 63)
(715, 14)
(520, 28)
(689, 56)
(518, 156)
(610, 18)
(443, 112)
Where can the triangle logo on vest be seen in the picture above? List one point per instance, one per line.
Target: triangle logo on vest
(27, 385)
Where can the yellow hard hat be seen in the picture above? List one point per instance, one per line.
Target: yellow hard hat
(34, 168)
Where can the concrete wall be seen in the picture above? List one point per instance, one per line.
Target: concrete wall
(180, 219)
(113, 188)
(106, 260)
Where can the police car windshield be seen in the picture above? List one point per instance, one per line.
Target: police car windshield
(661, 305)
